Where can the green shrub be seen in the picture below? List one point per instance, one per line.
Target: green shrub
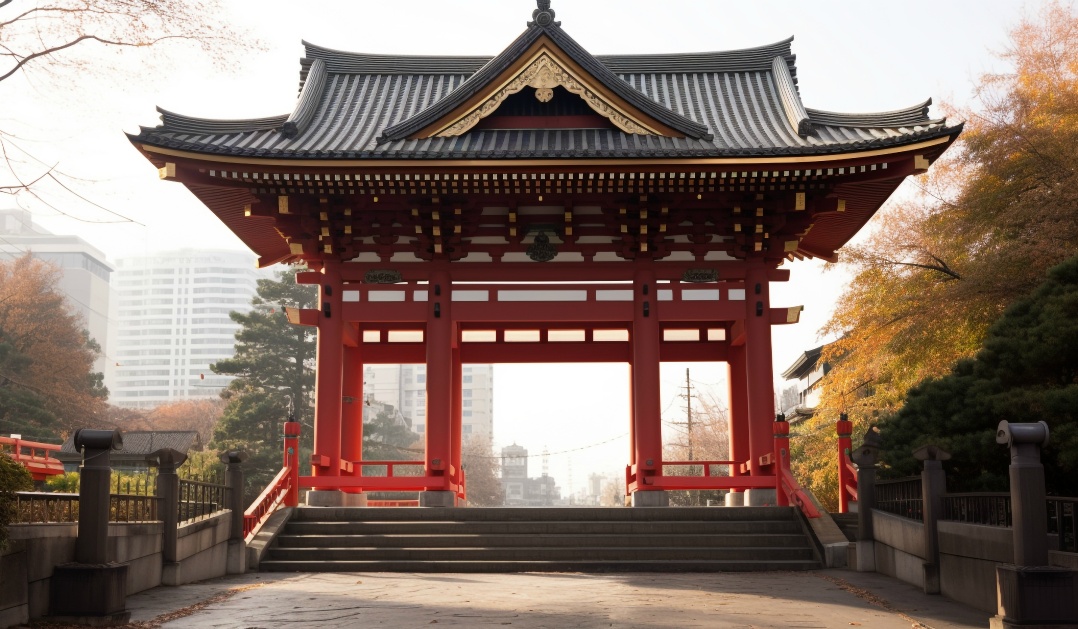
(13, 478)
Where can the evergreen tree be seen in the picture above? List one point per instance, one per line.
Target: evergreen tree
(274, 368)
(1026, 371)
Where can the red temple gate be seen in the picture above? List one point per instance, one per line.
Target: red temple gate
(546, 205)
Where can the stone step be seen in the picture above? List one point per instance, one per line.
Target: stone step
(561, 514)
(272, 565)
(544, 553)
(542, 527)
(775, 540)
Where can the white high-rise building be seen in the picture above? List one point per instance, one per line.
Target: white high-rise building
(405, 387)
(171, 323)
(84, 276)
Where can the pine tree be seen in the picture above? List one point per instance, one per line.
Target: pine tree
(274, 369)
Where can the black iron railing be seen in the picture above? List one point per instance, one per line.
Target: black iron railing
(34, 507)
(133, 499)
(1063, 521)
(991, 509)
(901, 497)
(201, 495)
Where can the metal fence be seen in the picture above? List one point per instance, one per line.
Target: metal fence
(1063, 521)
(901, 497)
(133, 499)
(200, 495)
(991, 509)
(39, 507)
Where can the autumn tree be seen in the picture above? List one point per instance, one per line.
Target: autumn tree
(708, 439)
(482, 472)
(55, 43)
(987, 223)
(1026, 371)
(198, 415)
(274, 370)
(47, 383)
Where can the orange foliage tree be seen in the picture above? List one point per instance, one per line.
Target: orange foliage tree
(987, 223)
(47, 383)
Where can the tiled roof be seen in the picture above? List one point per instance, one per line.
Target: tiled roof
(143, 443)
(741, 103)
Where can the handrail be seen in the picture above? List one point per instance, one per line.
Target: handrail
(40, 465)
(796, 494)
(266, 503)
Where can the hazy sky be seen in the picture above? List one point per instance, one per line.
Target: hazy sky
(851, 56)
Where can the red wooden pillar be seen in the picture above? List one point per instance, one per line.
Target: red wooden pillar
(629, 477)
(439, 430)
(647, 407)
(846, 478)
(352, 414)
(760, 385)
(291, 462)
(458, 414)
(739, 415)
(326, 459)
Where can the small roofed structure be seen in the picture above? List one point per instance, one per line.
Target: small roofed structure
(809, 371)
(137, 446)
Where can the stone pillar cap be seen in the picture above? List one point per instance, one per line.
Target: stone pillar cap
(233, 456)
(167, 457)
(931, 453)
(1014, 434)
(96, 439)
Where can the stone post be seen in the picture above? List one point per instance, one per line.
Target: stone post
(91, 590)
(865, 457)
(933, 486)
(168, 498)
(237, 554)
(1030, 592)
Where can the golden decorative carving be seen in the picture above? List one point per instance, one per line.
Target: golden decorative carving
(544, 74)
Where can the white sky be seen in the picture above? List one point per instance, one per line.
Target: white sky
(851, 56)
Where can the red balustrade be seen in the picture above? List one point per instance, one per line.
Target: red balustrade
(34, 456)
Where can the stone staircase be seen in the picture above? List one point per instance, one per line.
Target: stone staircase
(847, 522)
(673, 539)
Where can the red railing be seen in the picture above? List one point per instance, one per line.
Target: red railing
(34, 456)
(787, 490)
(282, 490)
(847, 473)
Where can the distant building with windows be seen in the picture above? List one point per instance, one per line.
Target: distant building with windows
(809, 371)
(171, 318)
(519, 489)
(85, 273)
(405, 387)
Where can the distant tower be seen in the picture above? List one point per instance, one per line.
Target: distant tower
(546, 461)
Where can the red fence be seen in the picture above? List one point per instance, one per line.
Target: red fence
(34, 456)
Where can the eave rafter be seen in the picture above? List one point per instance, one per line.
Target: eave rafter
(428, 211)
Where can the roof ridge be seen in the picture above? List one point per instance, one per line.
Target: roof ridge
(913, 114)
(172, 121)
(789, 98)
(310, 96)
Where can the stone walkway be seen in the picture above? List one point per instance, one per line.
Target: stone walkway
(825, 599)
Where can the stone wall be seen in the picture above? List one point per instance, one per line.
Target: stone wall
(35, 549)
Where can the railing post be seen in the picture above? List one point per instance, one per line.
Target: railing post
(291, 462)
(1031, 592)
(844, 428)
(933, 486)
(866, 456)
(782, 457)
(168, 498)
(92, 587)
(236, 562)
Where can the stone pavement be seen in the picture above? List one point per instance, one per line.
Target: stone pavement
(824, 599)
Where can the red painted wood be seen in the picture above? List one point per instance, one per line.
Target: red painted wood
(761, 395)
(739, 412)
(352, 410)
(439, 341)
(329, 375)
(647, 407)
